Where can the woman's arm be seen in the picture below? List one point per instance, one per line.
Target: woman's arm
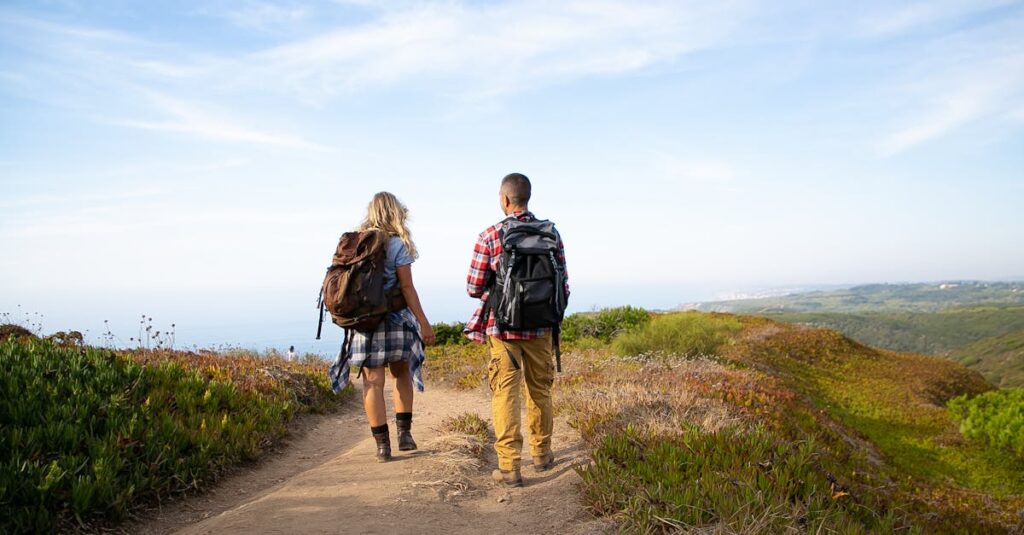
(412, 299)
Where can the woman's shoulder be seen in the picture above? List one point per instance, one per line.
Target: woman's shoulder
(395, 244)
(398, 251)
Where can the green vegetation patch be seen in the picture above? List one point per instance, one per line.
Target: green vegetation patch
(735, 482)
(89, 433)
(995, 419)
(895, 400)
(688, 334)
(603, 324)
(449, 333)
(465, 365)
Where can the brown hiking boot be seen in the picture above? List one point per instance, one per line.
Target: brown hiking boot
(544, 462)
(383, 446)
(405, 441)
(507, 478)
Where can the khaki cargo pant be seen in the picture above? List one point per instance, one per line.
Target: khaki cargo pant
(534, 360)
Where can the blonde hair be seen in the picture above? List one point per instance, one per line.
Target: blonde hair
(388, 214)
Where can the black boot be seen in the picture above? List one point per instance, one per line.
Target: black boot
(383, 438)
(404, 422)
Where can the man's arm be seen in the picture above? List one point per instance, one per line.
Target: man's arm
(480, 272)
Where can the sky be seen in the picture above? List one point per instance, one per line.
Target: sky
(195, 162)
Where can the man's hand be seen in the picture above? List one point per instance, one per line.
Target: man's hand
(427, 334)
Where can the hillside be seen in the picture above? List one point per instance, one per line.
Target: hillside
(935, 319)
(1000, 359)
(921, 297)
(973, 335)
(938, 333)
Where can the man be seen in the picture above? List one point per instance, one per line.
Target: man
(515, 354)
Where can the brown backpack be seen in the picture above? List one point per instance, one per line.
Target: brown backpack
(353, 289)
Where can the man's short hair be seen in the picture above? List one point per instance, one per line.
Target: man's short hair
(517, 187)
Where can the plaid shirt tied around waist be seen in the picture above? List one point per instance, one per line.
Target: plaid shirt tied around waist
(482, 270)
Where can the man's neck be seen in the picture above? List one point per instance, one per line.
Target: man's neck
(516, 210)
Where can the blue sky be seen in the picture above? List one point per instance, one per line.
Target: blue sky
(196, 161)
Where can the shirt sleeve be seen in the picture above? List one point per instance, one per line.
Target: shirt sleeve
(479, 268)
(565, 269)
(402, 256)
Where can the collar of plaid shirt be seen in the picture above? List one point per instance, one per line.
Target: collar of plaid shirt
(482, 269)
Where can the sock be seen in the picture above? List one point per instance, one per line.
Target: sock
(403, 416)
(379, 429)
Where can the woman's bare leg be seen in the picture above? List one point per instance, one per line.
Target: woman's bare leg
(373, 396)
(403, 394)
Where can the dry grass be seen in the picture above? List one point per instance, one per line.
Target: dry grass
(610, 399)
(457, 457)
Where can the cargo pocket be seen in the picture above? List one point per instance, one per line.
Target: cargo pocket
(492, 366)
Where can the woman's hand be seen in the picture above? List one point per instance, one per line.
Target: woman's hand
(427, 334)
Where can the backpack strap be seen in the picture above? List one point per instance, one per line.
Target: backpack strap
(396, 299)
(369, 349)
(320, 323)
(346, 346)
(488, 306)
(556, 345)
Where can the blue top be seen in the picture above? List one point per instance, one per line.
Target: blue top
(398, 255)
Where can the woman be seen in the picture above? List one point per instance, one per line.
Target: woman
(399, 339)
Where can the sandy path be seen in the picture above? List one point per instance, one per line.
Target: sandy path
(326, 480)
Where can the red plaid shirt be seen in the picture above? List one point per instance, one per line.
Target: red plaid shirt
(482, 270)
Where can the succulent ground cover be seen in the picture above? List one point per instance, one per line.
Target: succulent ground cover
(89, 434)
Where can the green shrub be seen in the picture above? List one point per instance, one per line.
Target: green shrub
(584, 344)
(728, 481)
(88, 433)
(995, 418)
(684, 333)
(449, 333)
(604, 324)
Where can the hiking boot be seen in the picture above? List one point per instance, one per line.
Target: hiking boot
(405, 441)
(383, 446)
(544, 462)
(507, 478)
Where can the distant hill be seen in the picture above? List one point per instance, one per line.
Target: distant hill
(934, 333)
(975, 323)
(1000, 359)
(922, 297)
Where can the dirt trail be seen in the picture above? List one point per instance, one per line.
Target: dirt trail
(326, 480)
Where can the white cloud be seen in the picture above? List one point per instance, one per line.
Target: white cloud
(266, 16)
(948, 113)
(958, 96)
(34, 201)
(894, 19)
(445, 48)
(188, 118)
(497, 48)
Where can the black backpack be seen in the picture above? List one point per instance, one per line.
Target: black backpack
(528, 291)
